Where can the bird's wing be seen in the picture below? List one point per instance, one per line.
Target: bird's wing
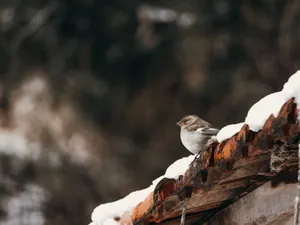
(208, 130)
(193, 128)
(203, 123)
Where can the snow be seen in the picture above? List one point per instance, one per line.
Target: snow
(260, 112)
(25, 207)
(179, 167)
(292, 89)
(110, 222)
(270, 104)
(257, 115)
(229, 131)
(104, 214)
(14, 144)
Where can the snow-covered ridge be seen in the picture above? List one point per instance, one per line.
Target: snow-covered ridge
(260, 111)
(228, 131)
(104, 214)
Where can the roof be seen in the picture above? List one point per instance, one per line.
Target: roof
(243, 157)
(226, 171)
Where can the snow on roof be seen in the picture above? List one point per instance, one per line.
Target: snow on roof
(228, 131)
(104, 214)
(292, 89)
(260, 112)
(270, 104)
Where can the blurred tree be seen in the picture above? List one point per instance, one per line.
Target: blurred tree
(90, 91)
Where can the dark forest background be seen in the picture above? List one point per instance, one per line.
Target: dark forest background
(90, 91)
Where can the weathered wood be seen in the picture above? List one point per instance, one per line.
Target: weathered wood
(265, 205)
(228, 171)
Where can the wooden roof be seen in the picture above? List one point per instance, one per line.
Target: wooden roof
(227, 171)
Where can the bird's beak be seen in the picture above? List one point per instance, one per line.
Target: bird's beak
(178, 123)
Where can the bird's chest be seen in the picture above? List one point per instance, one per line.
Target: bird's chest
(190, 140)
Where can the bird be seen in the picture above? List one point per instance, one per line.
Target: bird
(196, 133)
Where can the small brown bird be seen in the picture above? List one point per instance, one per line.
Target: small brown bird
(195, 133)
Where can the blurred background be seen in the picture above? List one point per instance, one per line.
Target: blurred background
(90, 91)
